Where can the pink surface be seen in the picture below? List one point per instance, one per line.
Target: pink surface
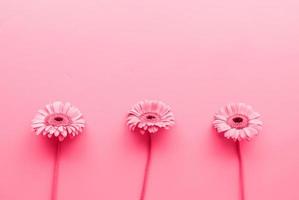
(104, 56)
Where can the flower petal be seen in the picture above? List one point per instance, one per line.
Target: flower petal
(40, 130)
(248, 133)
(57, 107)
(43, 112)
(229, 109)
(256, 121)
(252, 131)
(242, 134)
(64, 133)
(223, 127)
(49, 109)
(253, 115)
(66, 107)
(220, 117)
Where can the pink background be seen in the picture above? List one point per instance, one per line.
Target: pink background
(105, 55)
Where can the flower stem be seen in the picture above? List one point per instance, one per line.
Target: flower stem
(55, 172)
(147, 166)
(241, 171)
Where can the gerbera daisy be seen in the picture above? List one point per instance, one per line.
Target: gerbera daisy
(238, 121)
(150, 116)
(58, 120)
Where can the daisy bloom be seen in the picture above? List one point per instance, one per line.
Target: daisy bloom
(150, 116)
(238, 121)
(58, 120)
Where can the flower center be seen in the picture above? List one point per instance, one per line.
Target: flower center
(151, 117)
(238, 121)
(58, 120)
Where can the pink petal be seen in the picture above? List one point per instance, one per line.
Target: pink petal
(81, 125)
(38, 122)
(52, 130)
(73, 129)
(154, 106)
(236, 135)
(40, 130)
(45, 132)
(218, 122)
(57, 106)
(134, 112)
(256, 126)
(80, 121)
(253, 115)
(66, 107)
(43, 112)
(133, 120)
(256, 121)
(64, 133)
(48, 128)
(73, 133)
(77, 117)
(73, 112)
(60, 128)
(146, 106)
(242, 109)
(248, 132)
(39, 117)
(220, 117)
(138, 108)
(35, 125)
(56, 133)
(242, 133)
(230, 109)
(140, 125)
(223, 127)
(69, 130)
(152, 129)
(49, 109)
(223, 112)
(235, 108)
(252, 131)
(230, 133)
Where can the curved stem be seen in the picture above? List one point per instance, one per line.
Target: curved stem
(55, 172)
(241, 171)
(147, 166)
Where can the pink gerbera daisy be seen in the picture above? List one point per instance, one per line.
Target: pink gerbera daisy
(150, 116)
(59, 120)
(238, 121)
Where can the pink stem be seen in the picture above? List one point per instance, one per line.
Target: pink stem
(147, 166)
(241, 171)
(55, 172)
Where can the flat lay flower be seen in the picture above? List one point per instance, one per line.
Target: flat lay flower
(58, 120)
(238, 122)
(150, 116)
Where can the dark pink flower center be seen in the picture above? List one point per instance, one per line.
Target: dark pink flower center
(238, 121)
(150, 117)
(58, 120)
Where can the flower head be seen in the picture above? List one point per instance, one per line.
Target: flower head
(58, 120)
(150, 116)
(238, 121)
